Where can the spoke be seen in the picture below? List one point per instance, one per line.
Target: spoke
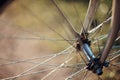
(34, 38)
(33, 33)
(97, 29)
(30, 61)
(85, 75)
(117, 52)
(99, 26)
(88, 75)
(27, 60)
(114, 57)
(61, 65)
(40, 20)
(18, 27)
(98, 46)
(45, 61)
(76, 73)
(108, 14)
(117, 63)
(82, 57)
(69, 23)
(41, 71)
(54, 75)
(116, 47)
(60, 35)
(32, 73)
(77, 13)
(117, 66)
(93, 5)
(118, 38)
(100, 38)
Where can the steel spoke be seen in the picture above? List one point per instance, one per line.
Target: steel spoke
(85, 75)
(34, 38)
(33, 67)
(27, 60)
(99, 26)
(114, 57)
(74, 32)
(76, 73)
(40, 20)
(61, 65)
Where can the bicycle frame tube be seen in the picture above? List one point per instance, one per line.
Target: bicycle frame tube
(92, 8)
(115, 24)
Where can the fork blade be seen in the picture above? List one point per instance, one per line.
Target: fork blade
(115, 28)
(92, 8)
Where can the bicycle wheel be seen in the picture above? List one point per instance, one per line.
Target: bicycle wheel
(38, 44)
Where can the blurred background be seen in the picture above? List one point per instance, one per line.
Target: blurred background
(32, 29)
